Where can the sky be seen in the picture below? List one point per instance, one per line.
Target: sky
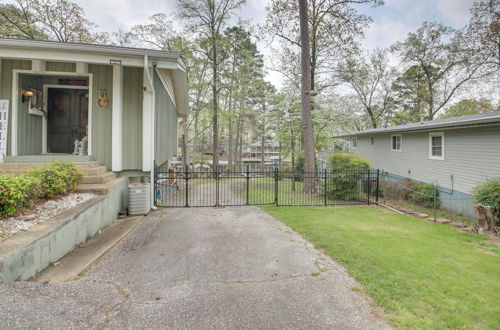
(391, 22)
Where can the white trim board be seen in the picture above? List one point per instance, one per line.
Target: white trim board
(15, 105)
(434, 134)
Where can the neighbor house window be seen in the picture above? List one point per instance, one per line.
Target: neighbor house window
(354, 142)
(436, 146)
(396, 142)
(372, 140)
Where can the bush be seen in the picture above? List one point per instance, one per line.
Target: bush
(488, 194)
(19, 191)
(344, 161)
(300, 164)
(58, 178)
(346, 180)
(425, 195)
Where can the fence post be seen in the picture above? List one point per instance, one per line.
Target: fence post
(216, 186)
(378, 179)
(368, 188)
(186, 177)
(324, 188)
(276, 179)
(435, 200)
(248, 186)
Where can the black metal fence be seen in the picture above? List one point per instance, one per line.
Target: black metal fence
(265, 187)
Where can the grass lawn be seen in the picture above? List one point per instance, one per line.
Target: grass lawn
(424, 275)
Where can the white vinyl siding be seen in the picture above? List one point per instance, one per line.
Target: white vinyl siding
(396, 142)
(472, 156)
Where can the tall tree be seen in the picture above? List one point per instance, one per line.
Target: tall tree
(371, 79)
(20, 22)
(208, 18)
(447, 63)
(334, 26)
(305, 63)
(59, 20)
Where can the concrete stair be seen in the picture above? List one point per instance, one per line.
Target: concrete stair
(97, 179)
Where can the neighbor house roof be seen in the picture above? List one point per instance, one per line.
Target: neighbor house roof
(489, 118)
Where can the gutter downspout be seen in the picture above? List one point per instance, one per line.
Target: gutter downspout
(150, 86)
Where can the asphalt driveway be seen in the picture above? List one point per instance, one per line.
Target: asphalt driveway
(205, 268)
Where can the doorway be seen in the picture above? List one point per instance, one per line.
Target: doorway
(67, 118)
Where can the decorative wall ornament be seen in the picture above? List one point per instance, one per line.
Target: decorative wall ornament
(102, 98)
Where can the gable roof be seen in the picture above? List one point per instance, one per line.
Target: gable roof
(103, 54)
(489, 118)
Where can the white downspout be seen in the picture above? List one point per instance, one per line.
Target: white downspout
(152, 130)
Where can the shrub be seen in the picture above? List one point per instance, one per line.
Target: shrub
(58, 178)
(425, 195)
(300, 163)
(488, 194)
(348, 171)
(344, 161)
(17, 191)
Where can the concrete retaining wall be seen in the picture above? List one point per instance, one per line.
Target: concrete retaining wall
(451, 200)
(24, 255)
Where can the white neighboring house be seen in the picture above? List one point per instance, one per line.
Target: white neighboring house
(457, 154)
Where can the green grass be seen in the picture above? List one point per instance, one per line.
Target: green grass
(425, 275)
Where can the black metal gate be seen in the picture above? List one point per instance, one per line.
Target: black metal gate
(267, 186)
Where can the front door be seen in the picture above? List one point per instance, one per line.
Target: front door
(67, 118)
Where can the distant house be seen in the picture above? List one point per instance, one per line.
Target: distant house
(455, 153)
(114, 105)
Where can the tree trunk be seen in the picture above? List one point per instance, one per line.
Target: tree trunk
(215, 117)
(309, 180)
(293, 163)
(230, 143)
(262, 146)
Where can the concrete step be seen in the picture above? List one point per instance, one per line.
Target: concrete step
(47, 158)
(93, 171)
(98, 188)
(22, 167)
(101, 178)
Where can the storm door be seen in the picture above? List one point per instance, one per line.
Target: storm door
(67, 118)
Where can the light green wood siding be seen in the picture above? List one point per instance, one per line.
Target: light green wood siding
(132, 118)
(29, 128)
(165, 124)
(60, 66)
(6, 86)
(101, 118)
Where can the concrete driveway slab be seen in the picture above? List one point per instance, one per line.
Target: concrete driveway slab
(205, 268)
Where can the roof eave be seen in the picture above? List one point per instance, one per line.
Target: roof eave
(478, 123)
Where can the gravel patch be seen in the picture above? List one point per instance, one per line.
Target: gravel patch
(41, 213)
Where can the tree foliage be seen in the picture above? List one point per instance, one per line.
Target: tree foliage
(59, 20)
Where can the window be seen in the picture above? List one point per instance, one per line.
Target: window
(372, 140)
(396, 142)
(354, 142)
(436, 146)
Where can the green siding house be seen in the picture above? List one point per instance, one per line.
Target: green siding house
(124, 102)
